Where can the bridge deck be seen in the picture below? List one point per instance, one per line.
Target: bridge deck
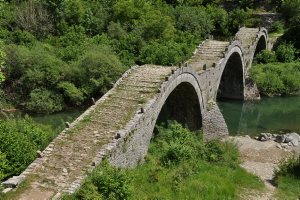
(72, 154)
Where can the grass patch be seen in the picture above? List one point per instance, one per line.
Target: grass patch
(288, 188)
(179, 165)
(287, 178)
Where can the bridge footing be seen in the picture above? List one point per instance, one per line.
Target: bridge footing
(251, 92)
(214, 125)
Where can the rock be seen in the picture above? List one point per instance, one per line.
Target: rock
(13, 182)
(265, 136)
(280, 138)
(96, 132)
(247, 136)
(65, 170)
(6, 190)
(279, 146)
(295, 142)
(39, 154)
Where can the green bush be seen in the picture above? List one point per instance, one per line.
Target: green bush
(285, 52)
(20, 139)
(98, 69)
(194, 20)
(277, 78)
(72, 93)
(44, 101)
(277, 27)
(289, 167)
(105, 182)
(266, 56)
(3, 166)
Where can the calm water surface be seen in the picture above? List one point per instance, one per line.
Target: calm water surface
(275, 115)
(56, 120)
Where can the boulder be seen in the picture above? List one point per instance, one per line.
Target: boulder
(13, 182)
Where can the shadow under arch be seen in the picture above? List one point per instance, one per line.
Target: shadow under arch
(232, 80)
(183, 106)
(261, 45)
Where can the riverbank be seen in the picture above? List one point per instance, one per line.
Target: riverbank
(261, 159)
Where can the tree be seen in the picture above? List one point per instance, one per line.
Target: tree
(34, 18)
(2, 58)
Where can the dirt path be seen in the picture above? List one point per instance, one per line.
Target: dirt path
(261, 158)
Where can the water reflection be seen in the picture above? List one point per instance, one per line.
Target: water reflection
(277, 114)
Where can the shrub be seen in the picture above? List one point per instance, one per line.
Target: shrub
(277, 78)
(176, 153)
(72, 93)
(3, 165)
(289, 167)
(285, 52)
(194, 20)
(111, 182)
(98, 69)
(277, 27)
(20, 139)
(266, 56)
(44, 101)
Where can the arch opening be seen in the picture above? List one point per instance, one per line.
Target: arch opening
(232, 81)
(183, 106)
(261, 45)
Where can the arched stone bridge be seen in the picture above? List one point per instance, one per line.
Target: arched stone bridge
(121, 123)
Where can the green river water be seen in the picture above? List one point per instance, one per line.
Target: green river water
(275, 115)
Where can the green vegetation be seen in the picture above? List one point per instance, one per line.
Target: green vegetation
(71, 51)
(287, 178)
(278, 72)
(277, 78)
(179, 165)
(20, 140)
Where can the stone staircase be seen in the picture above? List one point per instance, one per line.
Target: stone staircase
(247, 36)
(207, 55)
(67, 159)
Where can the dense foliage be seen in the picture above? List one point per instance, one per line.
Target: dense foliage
(179, 166)
(69, 51)
(277, 78)
(20, 140)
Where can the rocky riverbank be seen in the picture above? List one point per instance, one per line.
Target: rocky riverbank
(261, 157)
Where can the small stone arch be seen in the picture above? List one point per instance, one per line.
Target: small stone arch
(261, 44)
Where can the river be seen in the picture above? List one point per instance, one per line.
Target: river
(273, 115)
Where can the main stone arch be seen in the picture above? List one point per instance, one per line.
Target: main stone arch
(137, 139)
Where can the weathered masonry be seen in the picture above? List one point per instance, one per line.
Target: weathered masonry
(120, 125)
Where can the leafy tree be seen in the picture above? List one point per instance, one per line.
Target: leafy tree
(220, 20)
(285, 52)
(266, 56)
(33, 17)
(194, 20)
(44, 101)
(72, 93)
(99, 68)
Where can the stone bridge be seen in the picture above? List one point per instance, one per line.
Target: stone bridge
(120, 125)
